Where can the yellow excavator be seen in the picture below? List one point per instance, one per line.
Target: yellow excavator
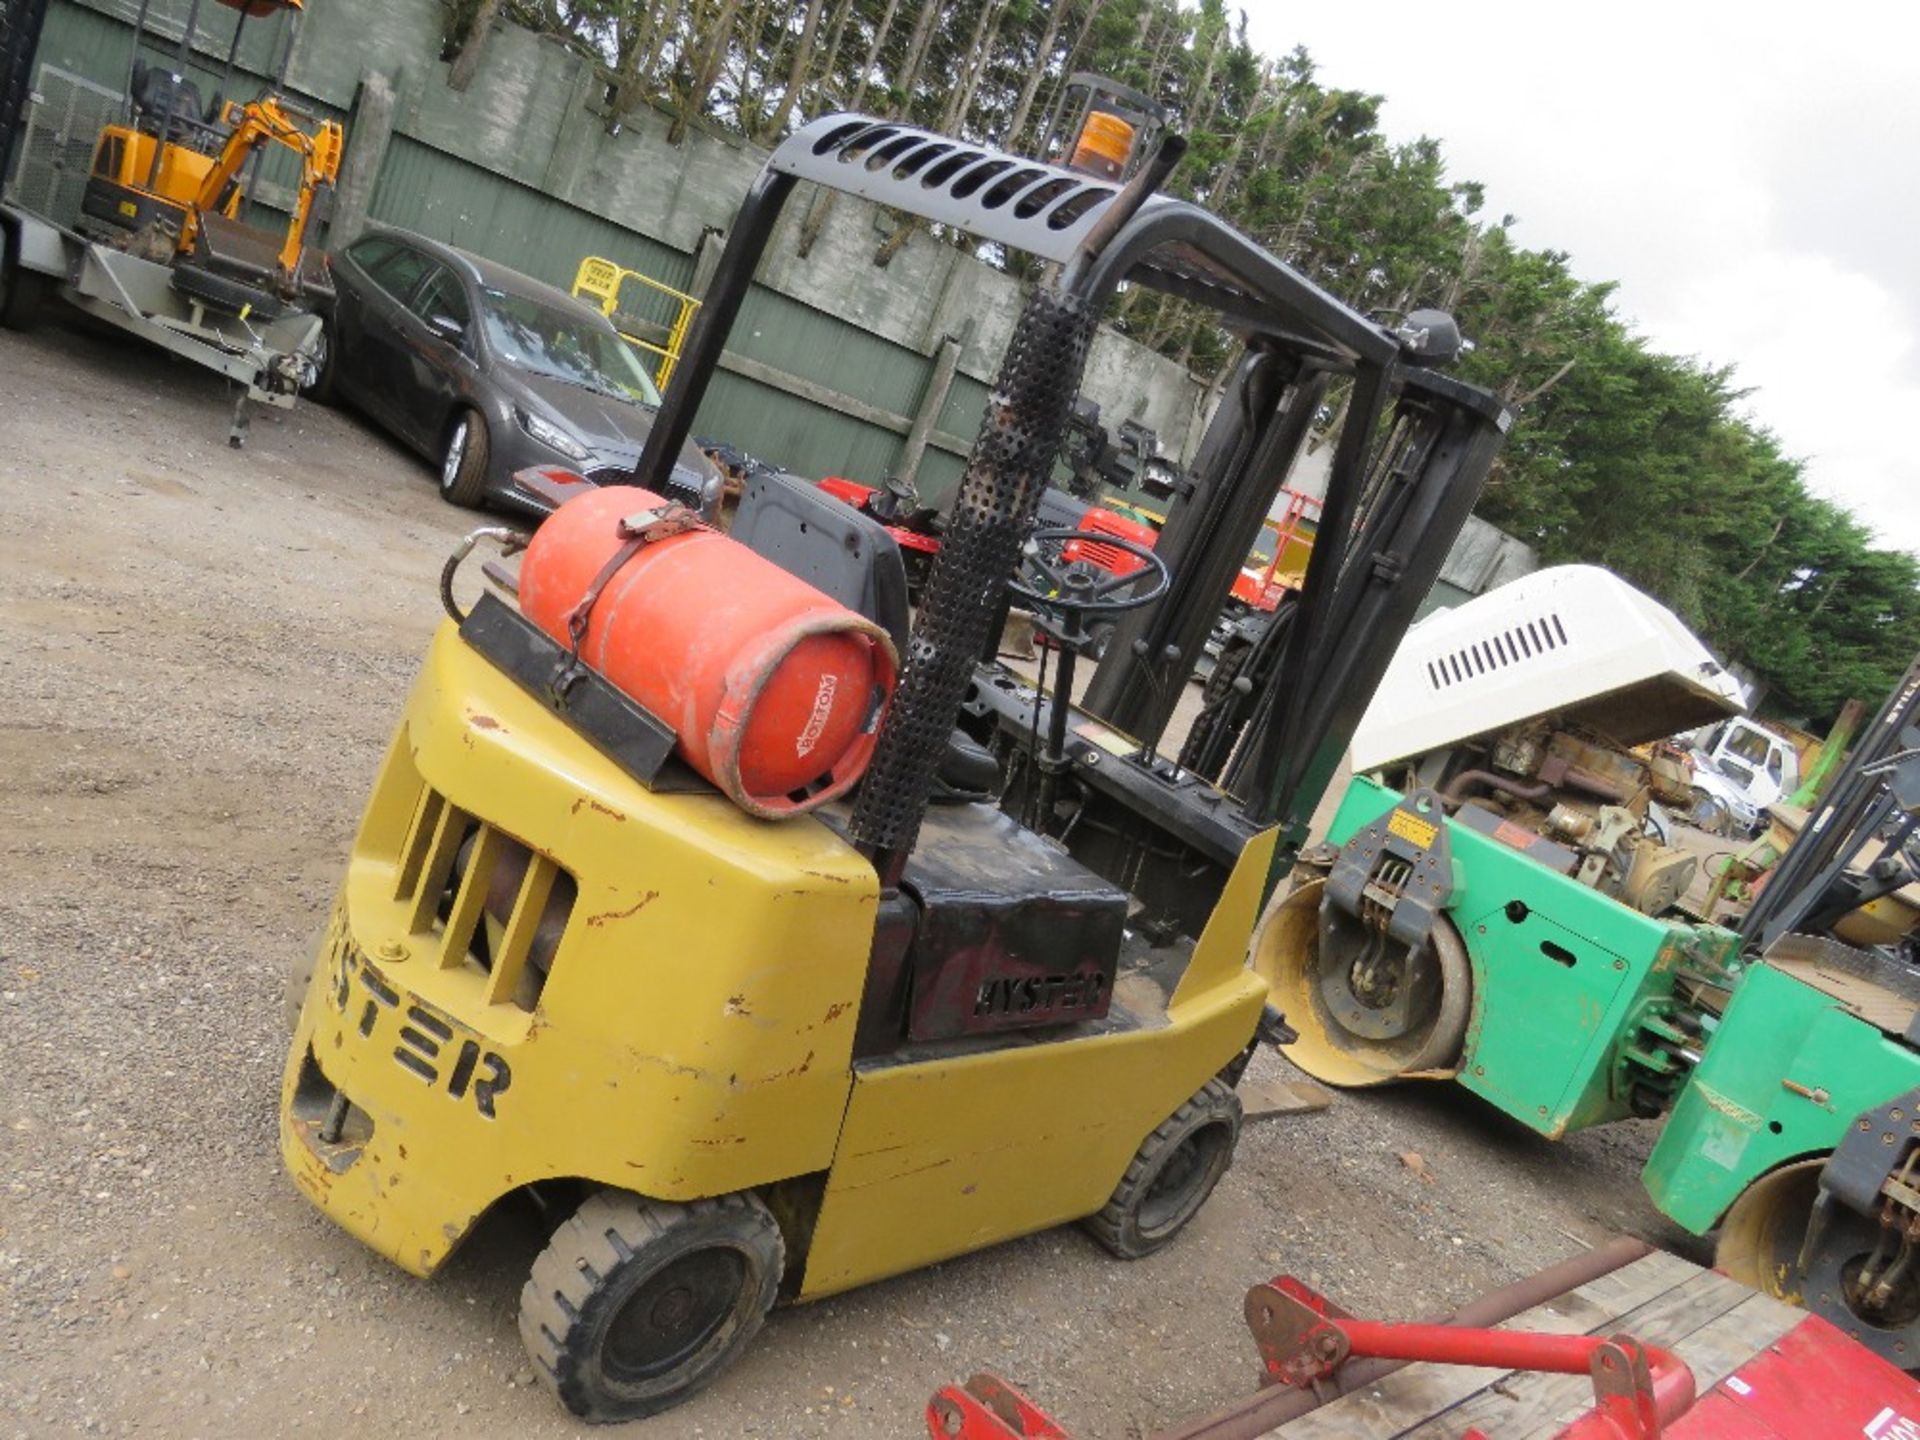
(163, 242)
(168, 182)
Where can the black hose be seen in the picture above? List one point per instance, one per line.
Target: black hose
(511, 542)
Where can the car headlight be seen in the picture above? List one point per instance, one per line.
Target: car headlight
(552, 436)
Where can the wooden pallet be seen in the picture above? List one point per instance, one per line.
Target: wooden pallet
(1713, 1323)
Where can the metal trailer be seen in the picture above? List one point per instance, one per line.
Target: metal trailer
(47, 133)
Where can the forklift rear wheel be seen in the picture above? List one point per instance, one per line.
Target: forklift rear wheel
(463, 467)
(1367, 1047)
(635, 1303)
(1171, 1175)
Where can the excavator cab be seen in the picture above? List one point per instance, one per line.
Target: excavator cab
(738, 1059)
(170, 180)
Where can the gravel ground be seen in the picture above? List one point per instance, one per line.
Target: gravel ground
(201, 654)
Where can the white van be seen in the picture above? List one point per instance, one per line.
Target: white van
(1739, 768)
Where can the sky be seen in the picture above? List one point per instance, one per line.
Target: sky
(1748, 174)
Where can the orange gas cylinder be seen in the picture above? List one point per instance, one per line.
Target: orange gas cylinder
(770, 686)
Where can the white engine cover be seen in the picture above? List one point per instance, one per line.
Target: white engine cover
(1572, 640)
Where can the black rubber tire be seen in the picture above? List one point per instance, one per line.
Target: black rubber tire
(463, 476)
(605, 1258)
(21, 292)
(1171, 1175)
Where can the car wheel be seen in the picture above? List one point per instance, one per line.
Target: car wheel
(463, 464)
(321, 392)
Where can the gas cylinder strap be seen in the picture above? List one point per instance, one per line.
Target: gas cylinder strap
(639, 530)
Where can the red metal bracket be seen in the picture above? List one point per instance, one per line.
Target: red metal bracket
(1297, 1331)
(1304, 1338)
(988, 1408)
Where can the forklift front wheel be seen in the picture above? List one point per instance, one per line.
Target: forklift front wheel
(635, 1303)
(1171, 1175)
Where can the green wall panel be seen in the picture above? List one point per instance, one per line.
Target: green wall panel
(438, 195)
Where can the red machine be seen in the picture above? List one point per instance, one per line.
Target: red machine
(1809, 1382)
(1263, 587)
(863, 498)
(917, 536)
(1110, 557)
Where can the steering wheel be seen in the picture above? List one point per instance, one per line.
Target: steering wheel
(1074, 590)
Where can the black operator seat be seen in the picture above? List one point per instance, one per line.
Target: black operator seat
(168, 103)
(851, 558)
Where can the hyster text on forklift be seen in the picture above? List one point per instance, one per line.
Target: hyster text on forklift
(749, 1020)
(160, 242)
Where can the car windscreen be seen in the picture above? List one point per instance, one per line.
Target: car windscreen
(547, 341)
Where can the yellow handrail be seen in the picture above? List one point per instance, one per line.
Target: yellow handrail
(599, 280)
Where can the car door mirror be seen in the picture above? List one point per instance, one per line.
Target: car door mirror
(447, 328)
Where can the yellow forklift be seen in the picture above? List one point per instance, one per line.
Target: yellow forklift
(163, 243)
(739, 1060)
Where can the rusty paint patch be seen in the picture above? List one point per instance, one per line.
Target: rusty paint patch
(793, 1074)
(835, 1011)
(485, 722)
(737, 1005)
(827, 876)
(718, 1141)
(607, 917)
(589, 803)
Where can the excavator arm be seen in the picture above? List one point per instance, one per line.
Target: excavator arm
(270, 120)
